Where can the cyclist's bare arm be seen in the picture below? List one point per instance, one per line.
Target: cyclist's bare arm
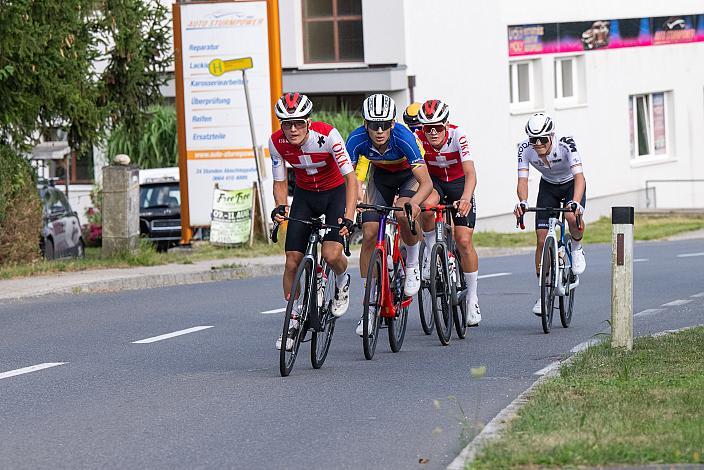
(425, 184)
(470, 183)
(521, 192)
(579, 185)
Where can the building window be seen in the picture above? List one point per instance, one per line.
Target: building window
(523, 79)
(81, 169)
(569, 80)
(332, 31)
(648, 124)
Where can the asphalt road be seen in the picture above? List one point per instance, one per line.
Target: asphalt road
(214, 397)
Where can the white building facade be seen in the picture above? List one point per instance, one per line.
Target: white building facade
(625, 79)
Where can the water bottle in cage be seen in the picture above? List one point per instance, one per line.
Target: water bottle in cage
(321, 282)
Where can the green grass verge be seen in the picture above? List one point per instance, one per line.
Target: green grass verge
(644, 228)
(612, 407)
(145, 256)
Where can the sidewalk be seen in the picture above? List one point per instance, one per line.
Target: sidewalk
(114, 280)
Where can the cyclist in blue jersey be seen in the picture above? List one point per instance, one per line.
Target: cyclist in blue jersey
(397, 168)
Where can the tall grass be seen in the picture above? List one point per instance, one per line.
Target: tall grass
(156, 143)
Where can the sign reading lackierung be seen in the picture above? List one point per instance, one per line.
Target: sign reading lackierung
(218, 143)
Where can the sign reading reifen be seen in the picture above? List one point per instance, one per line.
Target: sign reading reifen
(218, 140)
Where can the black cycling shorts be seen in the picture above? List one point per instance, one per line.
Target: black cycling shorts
(553, 195)
(451, 191)
(307, 204)
(383, 186)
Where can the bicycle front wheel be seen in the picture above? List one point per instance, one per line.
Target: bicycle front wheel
(440, 293)
(299, 302)
(320, 343)
(425, 307)
(548, 278)
(372, 304)
(459, 311)
(397, 325)
(567, 301)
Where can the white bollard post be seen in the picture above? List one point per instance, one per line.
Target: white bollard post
(622, 277)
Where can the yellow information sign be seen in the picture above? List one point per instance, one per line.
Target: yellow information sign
(217, 66)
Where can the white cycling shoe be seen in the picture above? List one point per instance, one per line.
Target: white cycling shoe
(360, 326)
(537, 307)
(341, 302)
(474, 316)
(579, 263)
(292, 328)
(412, 284)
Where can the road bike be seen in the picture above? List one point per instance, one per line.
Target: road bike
(425, 306)
(310, 301)
(556, 276)
(446, 287)
(384, 300)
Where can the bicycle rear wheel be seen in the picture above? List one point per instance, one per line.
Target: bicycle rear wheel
(440, 293)
(397, 325)
(320, 343)
(425, 308)
(372, 304)
(567, 302)
(548, 277)
(296, 312)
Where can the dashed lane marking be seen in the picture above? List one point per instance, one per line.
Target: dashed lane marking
(701, 294)
(154, 339)
(650, 311)
(27, 370)
(486, 276)
(690, 255)
(640, 260)
(276, 310)
(677, 302)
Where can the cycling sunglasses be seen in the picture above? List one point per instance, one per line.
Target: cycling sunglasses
(538, 140)
(297, 123)
(379, 125)
(429, 128)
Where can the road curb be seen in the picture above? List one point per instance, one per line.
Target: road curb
(498, 425)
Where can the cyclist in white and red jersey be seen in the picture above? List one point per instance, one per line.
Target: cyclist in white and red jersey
(454, 179)
(562, 179)
(325, 184)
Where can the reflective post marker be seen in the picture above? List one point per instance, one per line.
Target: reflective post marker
(622, 277)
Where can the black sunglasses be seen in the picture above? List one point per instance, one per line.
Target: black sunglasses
(297, 123)
(538, 140)
(379, 125)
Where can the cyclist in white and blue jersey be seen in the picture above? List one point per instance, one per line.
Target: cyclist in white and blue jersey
(396, 168)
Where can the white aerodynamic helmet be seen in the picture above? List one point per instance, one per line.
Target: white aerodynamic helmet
(379, 108)
(433, 111)
(293, 106)
(540, 125)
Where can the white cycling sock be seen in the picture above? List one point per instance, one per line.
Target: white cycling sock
(341, 280)
(576, 244)
(471, 280)
(429, 238)
(412, 254)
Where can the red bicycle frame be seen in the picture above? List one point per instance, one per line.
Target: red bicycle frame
(389, 308)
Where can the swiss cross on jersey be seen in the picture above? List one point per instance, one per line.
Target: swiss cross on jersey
(446, 164)
(319, 164)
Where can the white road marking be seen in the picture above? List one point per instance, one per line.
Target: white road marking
(27, 370)
(276, 310)
(677, 302)
(586, 344)
(650, 311)
(701, 294)
(171, 335)
(548, 368)
(690, 255)
(486, 276)
(640, 260)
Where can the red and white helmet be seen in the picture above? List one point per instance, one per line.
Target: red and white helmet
(293, 106)
(433, 111)
(540, 125)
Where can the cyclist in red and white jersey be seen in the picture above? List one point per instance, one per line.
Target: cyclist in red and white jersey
(325, 184)
(562, 179)
(454, 179)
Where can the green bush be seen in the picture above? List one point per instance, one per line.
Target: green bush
(153, 145)
(344, 121)
(20, 209)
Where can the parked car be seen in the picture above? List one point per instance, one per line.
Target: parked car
(61, 233)
(160, 207)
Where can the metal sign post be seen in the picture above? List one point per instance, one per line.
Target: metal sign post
(622, 277)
